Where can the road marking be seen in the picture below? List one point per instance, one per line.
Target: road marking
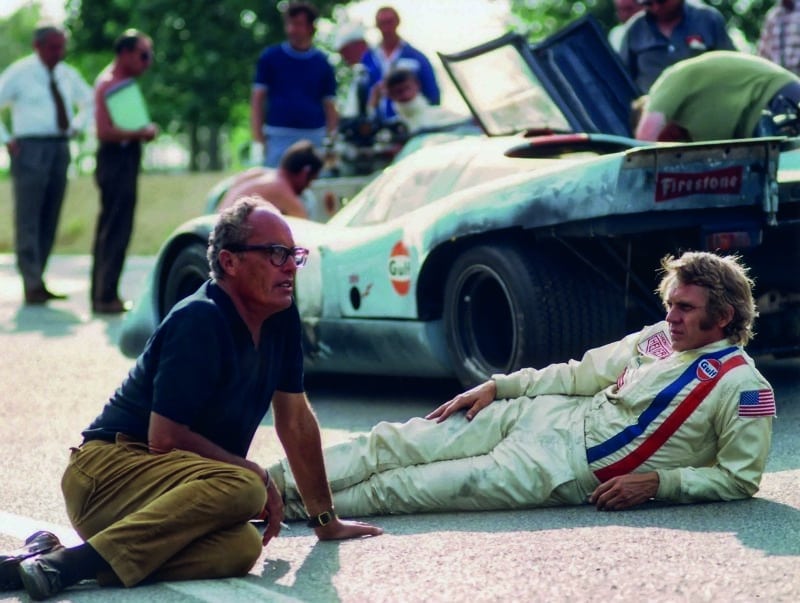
(21, 527)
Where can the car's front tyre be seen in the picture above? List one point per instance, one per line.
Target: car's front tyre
(187, 272)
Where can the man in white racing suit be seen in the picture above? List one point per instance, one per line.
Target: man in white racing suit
(676, 412)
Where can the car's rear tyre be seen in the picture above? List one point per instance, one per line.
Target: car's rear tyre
(188, 271)
(506, 307)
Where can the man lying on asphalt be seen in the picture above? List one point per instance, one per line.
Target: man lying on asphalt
(676, 412)
(161, 488)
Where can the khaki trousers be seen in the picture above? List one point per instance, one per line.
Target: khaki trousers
(173, 516)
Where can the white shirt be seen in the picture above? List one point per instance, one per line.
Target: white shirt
(419, 114)
(25, 87)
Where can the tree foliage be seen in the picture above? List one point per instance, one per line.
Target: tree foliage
(16, 34)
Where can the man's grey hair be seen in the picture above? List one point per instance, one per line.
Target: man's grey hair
(231, 229)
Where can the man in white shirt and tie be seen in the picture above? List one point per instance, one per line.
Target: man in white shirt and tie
(49, 102)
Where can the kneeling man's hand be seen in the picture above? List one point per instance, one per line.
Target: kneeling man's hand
(340, 529)
(625, 491)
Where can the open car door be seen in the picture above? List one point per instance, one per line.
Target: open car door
(573, 81)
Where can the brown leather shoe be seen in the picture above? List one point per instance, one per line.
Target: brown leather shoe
(115, 306)
(41, 295)
(36, 544)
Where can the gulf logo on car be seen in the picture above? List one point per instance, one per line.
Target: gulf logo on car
(708, 369)
(400, 268)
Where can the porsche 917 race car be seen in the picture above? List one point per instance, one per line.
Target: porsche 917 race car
(524, 246)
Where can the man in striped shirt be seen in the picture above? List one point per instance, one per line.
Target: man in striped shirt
(675, 412)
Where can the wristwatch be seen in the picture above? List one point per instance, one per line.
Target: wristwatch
(323, 519)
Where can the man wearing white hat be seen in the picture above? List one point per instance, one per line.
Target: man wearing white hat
(352, 46)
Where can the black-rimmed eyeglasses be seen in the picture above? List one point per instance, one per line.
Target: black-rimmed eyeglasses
(277, 255)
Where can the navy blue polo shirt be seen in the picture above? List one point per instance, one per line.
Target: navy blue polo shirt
(297, 81)
(201, 369)
(646, 52)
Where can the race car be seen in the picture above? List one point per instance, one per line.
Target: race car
(524, 246)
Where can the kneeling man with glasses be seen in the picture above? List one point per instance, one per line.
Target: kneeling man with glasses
(161, 487)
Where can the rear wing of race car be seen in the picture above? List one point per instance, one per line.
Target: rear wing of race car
(713, 187)
(729, 174)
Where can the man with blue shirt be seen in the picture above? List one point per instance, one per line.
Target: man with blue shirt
(294, 90)
(668, 31)
(394, 52)
(161, 487)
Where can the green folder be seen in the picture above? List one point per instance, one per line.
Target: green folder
(127, 106)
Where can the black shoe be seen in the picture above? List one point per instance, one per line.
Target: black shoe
(35, 544)
(115, 306)
(40, 579)
(41, 295)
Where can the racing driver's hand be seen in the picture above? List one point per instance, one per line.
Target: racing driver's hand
(474, 400)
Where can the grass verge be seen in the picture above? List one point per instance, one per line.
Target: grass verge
(165, 201)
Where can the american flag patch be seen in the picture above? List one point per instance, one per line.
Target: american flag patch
(757, 403)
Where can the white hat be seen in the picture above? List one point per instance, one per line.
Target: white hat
(348, 32)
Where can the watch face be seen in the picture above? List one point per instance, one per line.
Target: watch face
(324, 518)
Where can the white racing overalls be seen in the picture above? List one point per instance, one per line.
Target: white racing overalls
(701, 418)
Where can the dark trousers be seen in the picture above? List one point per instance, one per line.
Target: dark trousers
(39, 171)
(116, 175)
(786, 97)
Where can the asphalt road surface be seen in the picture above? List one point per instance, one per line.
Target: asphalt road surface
(58, 364)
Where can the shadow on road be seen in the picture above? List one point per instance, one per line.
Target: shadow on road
(50, 321)
(758, 523)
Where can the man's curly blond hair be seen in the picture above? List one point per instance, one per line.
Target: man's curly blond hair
(728, 285)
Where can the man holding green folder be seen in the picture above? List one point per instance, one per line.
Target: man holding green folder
(123, 123)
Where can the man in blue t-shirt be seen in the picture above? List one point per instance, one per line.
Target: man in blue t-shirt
(294, 90)
(161, 487)
(668, 31)
(394, 52)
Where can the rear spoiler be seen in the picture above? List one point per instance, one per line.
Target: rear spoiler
(705, 175)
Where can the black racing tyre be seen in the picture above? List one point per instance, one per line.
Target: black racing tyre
(188, 271)
(507, 307)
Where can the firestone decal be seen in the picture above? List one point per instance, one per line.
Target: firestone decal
(400, 269)
(727, 181)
